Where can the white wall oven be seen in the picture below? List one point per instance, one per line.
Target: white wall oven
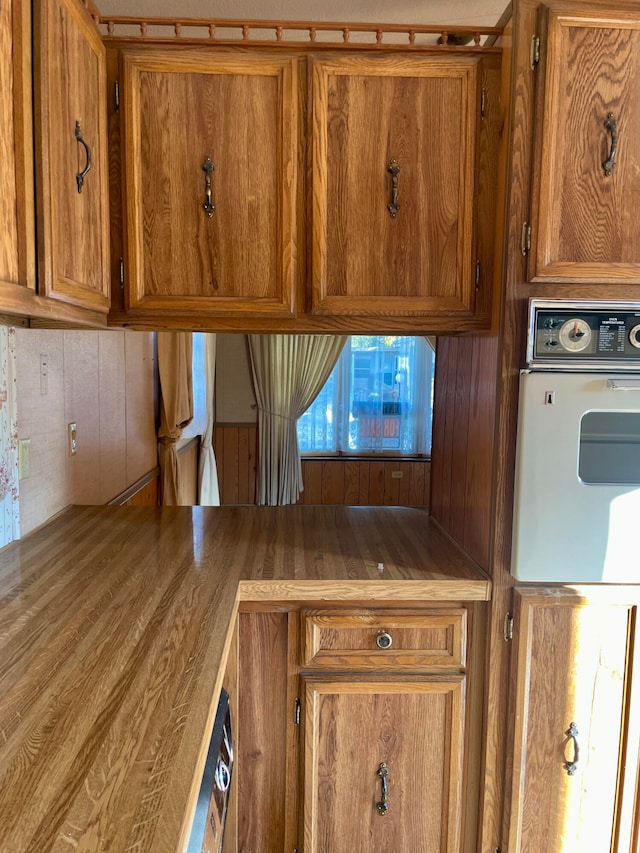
(577, 479)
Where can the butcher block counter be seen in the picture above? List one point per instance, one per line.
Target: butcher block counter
(115, 624)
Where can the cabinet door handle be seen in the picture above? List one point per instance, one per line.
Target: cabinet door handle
(393, 207)
(611, 124)
(571, 766)
(87, 166)
(208, 206)
(383, 805)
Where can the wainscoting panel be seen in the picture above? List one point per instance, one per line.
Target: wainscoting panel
(344, 481)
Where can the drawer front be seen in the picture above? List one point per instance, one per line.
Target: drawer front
(434, 640)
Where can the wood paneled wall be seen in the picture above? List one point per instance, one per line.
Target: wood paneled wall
(146, 496)
(235, 448)
(351, 482)
(463, 429)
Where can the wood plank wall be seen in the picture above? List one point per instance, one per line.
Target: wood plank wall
(146, 496)
(352, 482)
(463, 452)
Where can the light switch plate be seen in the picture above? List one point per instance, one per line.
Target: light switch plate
(73, 439)
(24, 458)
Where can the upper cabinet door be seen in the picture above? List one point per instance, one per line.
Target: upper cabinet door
(17, 243)
(210, 175)
(393, 184)
(71, 156)
(585, 223)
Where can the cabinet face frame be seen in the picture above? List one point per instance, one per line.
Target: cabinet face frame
(17, 252)
(550, 138)
(133, 63)
(321, 69)
(52, 282)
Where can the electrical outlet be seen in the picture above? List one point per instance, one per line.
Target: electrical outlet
(396, 475)
(24, 458)
(73, 439)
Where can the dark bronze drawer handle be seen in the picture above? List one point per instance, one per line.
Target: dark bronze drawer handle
(611, 124)
(87, 166)
(393, 207)
(383, 805)
(208, 206)
(572, 766)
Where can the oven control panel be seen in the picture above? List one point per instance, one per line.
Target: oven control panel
(583, 335)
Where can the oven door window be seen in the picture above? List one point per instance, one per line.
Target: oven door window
(609, 452)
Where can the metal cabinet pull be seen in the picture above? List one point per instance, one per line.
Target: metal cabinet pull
(611, 124)
(87, 166)
(393, 207)
(384, 640)
(208, 206)
(383, 805)
(572, 766)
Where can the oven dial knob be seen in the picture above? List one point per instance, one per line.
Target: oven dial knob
(634, 336)
(222, 775)
(575, 335)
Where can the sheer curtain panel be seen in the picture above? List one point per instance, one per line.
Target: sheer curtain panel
(176, 407)
(209, 493)
(288, 373)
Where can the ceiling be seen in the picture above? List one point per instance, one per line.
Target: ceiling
(461, 12)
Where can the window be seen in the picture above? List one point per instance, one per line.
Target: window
(378, 399)
(199, 423)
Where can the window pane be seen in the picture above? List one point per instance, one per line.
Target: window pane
(199, 423)
(378, 399)
(317, 427)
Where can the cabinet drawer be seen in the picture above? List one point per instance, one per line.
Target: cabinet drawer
(434, 640)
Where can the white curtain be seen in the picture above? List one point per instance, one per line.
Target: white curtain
(288, 373)
(384, 395)
(208, 490)
(9, 505)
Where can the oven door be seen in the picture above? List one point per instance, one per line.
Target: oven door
(577, 484)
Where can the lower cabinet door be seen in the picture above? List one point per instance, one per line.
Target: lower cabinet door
(383, 765)
(573, 723)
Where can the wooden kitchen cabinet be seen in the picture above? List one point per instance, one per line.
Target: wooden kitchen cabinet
(402, 219)
(586, 191)
(71, 156)
(210, 161)
(17, 243)
(574, 675)
(323, 704)
(389, 715)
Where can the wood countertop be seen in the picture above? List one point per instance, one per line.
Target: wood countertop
(114, 630)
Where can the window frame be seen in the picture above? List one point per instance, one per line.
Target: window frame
(373, 455)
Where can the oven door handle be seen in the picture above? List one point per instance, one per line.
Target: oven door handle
(626, 385)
